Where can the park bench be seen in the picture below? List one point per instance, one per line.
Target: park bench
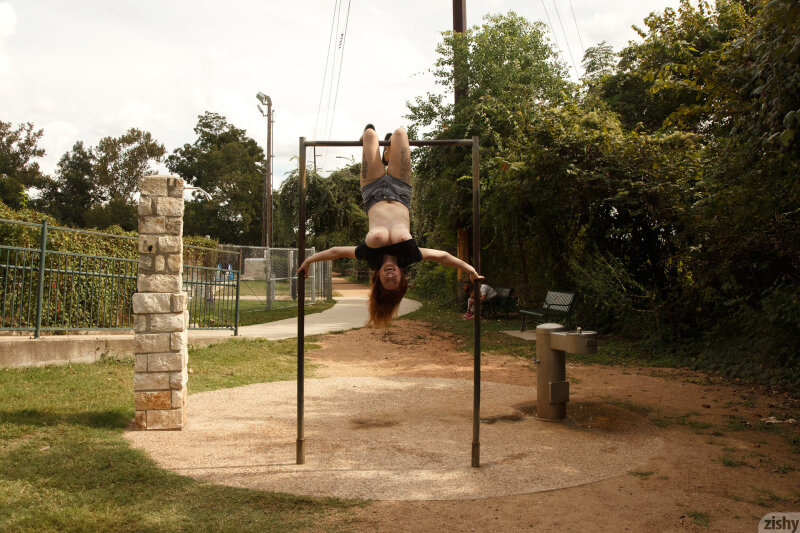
(557, 307)
(500, 303)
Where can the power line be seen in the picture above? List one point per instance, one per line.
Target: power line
(342, 40)
(333, 69)
(552, 31)
(325, 72)
(566, 40)
(574, 18)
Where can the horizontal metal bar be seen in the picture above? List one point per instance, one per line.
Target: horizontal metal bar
(72, 230)
(56, 328)
(37, 251)
(430, 142)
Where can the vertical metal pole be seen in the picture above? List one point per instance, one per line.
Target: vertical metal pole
(269, 174)
(268, 270)
(301, 300)
(476, 252)
(40, 296)
(236, 316)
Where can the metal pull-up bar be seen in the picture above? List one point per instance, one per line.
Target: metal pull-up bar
(301, 288)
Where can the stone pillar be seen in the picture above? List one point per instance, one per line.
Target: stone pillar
(160, 340)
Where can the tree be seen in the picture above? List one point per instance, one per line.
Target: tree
(119, 162)
(74, 191)
(95, 187)
(18, 170)
(229, 165)
(335, 216)
(598, 61)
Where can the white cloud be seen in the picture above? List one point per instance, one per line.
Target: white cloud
(8, 20)
(84, 70)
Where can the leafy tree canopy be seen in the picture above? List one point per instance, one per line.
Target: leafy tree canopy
(229, 165)
(19, 147)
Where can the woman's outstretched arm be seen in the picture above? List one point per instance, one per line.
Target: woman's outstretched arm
(440, 256)
(336, 252)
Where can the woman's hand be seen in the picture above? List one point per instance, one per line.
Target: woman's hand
(304, 268)
(474, 275)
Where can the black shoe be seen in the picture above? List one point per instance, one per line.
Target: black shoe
(383, 155)
(369, 127)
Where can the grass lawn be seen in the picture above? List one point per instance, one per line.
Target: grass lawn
(252, 311)
(65, 466)
(610, 351)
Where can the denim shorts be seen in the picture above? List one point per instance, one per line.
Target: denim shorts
(386, 188)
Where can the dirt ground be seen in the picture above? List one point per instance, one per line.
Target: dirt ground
(718, 469)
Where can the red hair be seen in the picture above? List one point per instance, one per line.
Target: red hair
(383, 303)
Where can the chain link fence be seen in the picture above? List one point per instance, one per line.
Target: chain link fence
(269, 277)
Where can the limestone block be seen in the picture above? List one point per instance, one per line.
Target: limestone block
(151, 342)
(140, 362)
(151, 224)
(148, 244)
(153, 186)
(145, 206)
(170, 207)
(144, 381)
(165, 419)
(175, 187)
(174, 263)
(158, 283)
(140, 420)
(173, 226)
(140, 324)
(178, 397)
(151, 303)
(152, 400)
(178, 302)
(146, 263)
(170, 244)
(165, 362)
(158, 263)
(178, 380)
(166, 322)
(178, 341)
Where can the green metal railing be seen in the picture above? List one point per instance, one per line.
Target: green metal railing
(43, 290)
(213, 297)
(49, 290)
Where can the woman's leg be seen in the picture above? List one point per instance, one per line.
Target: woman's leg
(400, 156)
(371, 165)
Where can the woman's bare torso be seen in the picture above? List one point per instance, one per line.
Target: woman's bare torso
(389, 223)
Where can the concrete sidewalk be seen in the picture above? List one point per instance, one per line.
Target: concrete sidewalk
(349, 312)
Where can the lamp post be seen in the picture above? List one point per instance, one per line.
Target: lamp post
(266, 206)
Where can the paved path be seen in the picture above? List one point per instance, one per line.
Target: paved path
(349, 312)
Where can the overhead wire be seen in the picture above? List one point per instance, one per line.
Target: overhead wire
(333, 69)
(325, 71)
(552, 31)
(574, 18)
(566, 40)
(342, 42)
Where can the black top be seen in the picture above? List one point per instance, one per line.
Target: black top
(406, 252)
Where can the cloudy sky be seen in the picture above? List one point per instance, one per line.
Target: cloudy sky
(86, 69)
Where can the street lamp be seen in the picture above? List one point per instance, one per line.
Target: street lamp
(266, 206)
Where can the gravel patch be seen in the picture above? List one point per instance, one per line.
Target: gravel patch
(395, 438)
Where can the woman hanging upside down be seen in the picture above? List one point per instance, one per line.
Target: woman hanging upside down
(388, 248)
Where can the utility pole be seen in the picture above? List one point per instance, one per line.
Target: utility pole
(459, 26)
(459, 90)
(266, 205)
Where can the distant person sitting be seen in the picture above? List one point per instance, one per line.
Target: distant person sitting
(487, 294)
